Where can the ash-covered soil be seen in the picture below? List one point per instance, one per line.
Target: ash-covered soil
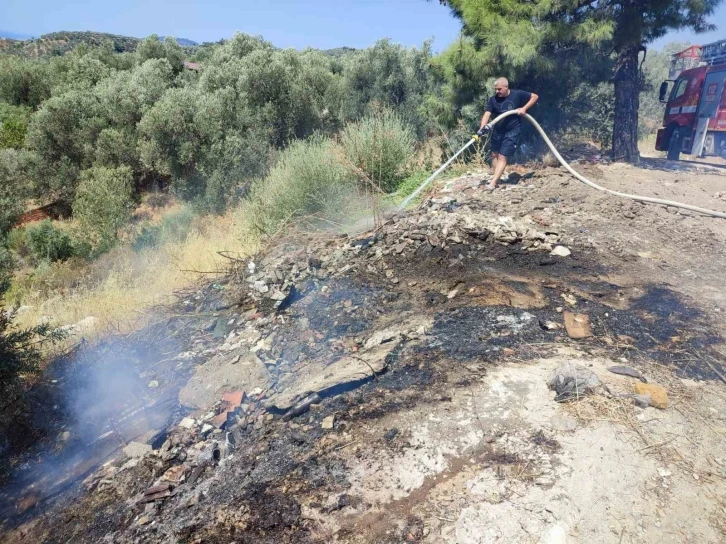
(396, 382)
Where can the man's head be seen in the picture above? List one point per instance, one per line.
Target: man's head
(501, 86)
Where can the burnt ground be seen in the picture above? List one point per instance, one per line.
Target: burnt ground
(454, 436)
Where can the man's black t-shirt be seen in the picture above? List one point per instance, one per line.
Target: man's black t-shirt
(498, 105)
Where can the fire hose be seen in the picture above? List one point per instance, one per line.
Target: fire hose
(564, 163)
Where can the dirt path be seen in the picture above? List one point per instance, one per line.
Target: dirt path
(430, 345)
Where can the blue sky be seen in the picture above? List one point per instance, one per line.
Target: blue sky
(286, 23)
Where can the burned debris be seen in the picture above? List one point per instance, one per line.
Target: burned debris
(276, 368)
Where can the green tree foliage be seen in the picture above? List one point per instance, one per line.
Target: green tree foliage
(154, 48)
(210, 133)
(11, 206)
(11, 190)
(24, 82)
(569, 95)
(13, 125)
(378, 148)
(533, 33)
(103, 204)
(388, 75)
(62, 134)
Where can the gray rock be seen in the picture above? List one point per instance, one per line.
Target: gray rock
(572, 381)
(561, 251)
(627, 371)
(563, 422)
(642, 401)
(187, 423)
(137, 450)
(207, 428)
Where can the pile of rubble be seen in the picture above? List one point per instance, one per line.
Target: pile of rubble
(276, 279)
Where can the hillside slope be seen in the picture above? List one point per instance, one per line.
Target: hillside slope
(59, 43)
(396, 383)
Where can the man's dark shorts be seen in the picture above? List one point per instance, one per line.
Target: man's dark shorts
(505, 143)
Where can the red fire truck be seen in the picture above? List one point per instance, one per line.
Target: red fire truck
(695, 114)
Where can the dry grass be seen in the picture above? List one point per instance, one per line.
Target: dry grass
(118, 288)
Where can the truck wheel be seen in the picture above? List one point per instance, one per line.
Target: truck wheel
(674, 145)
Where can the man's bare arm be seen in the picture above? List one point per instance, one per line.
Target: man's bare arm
(532, 100)
(485, 119)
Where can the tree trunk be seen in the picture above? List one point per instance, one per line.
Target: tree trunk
(627, 89)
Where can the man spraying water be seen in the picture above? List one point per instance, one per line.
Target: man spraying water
(506, 134)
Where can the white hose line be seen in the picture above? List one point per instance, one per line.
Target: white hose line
(564, 163)
(433, 176)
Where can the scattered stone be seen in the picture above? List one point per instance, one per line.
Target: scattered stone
(556, 534)
(328, 422)
(153, 384)
(219, 420)
(144, 520)
(642, 401)
(577, 325)
(302, 407)
(157, 492)
(572, 381)
(137, 449)
(250, 336)
(207, 428)
(278, 295)
(550, 325)
(452, 294)
(627, 371)
(382, 337)
(569, 299)
(391, 434)
(658, 394)
(560, 251)
(174, 474)
(187, 423)
(563, 422)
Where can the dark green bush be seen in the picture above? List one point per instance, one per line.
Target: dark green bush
(47, 242)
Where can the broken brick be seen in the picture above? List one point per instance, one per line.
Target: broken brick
(658, 395)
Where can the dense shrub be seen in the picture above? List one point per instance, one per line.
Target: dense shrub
(378, 148)
(309, 178)
(47, 242)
